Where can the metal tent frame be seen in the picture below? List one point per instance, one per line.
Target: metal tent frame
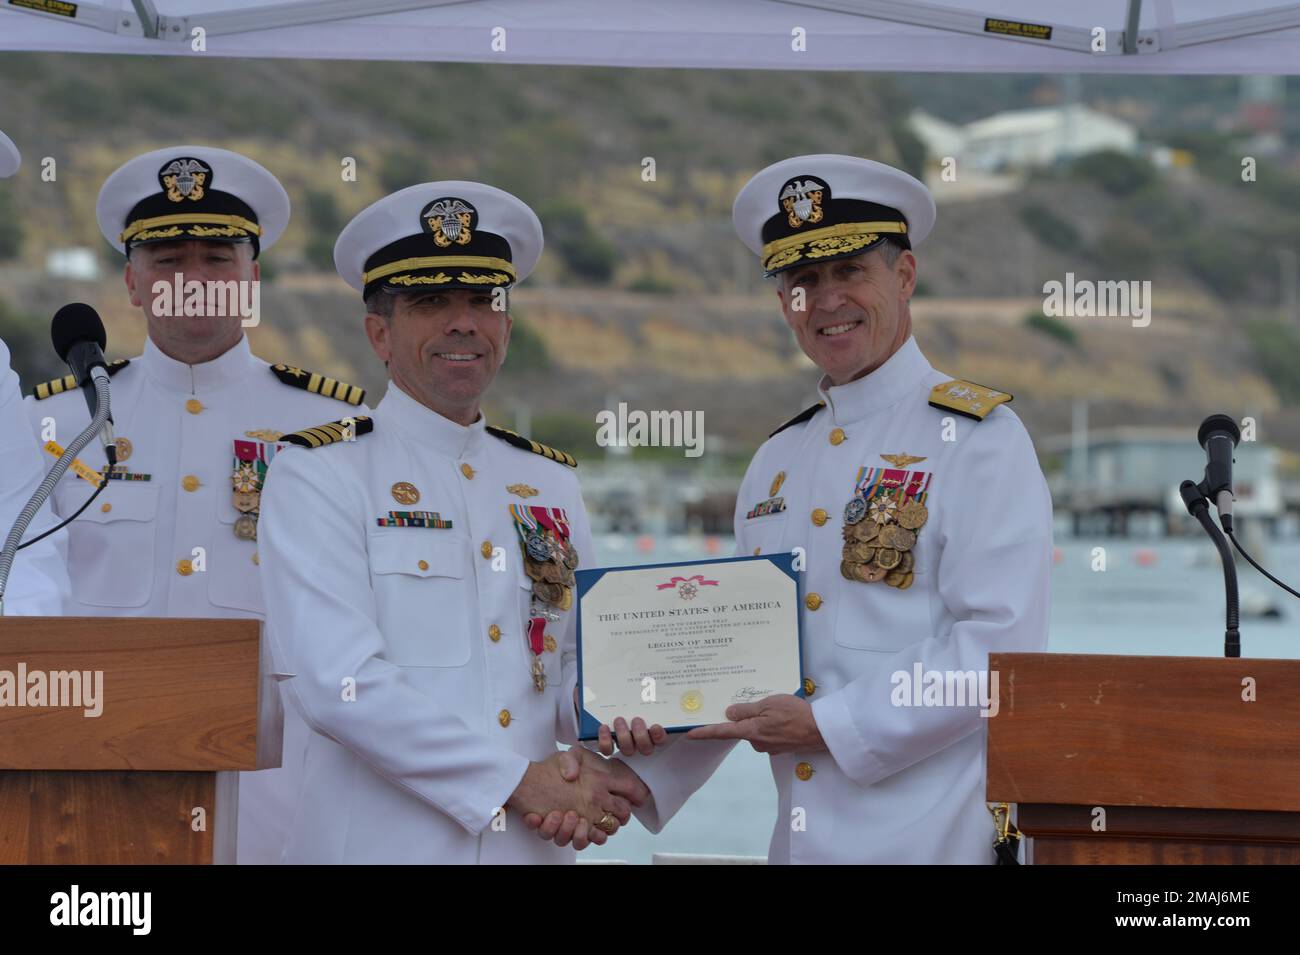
(1126, 39)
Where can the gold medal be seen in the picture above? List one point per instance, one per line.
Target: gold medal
(550, 644)
(547, 593)
(882, 510)
(907, 563)
(847, 570)
(566, 598)
(123, 449)
(247, 501)
(902, 538)
(570, 557)
(887, 558)
(859, 552)
(912, 515)
(870, 573)
(246, 528)
(895, 577)
(866, 531)
(906, 582)
(539, 675)
(244, 479)
(404, 492)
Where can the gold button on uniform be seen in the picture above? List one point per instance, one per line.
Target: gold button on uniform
(494, 633)
(486, 550)
(837, 436)
(106, 507)
(256, 559)
(184, 567)
(504, 718)
(804, 771)
(468, 471)
(194, 406)
(819, 516)
(757, 551)
(809, 686)
(423, 565)
(812, 601)
(190, 482)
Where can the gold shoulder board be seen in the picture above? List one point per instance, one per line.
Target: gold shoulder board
(57, 386)
(967, 398)
(318, 384)
(331, 432)
(519, 441)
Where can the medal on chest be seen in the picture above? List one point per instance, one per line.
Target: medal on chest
(246, 478)
(549, 561)
(881, 523)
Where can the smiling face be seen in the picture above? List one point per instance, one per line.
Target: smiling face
(189, 338)
(855, 312)
(443, 348)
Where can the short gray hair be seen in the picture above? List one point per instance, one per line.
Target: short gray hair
(380, 302)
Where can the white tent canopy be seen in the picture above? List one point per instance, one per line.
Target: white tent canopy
(1171, 36)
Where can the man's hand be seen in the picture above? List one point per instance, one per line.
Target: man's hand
(587, 796)
(634, 737)
(577, 763)
(776, 724)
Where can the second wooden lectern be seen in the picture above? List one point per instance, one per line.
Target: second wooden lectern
(1148, 759)
(121, 738)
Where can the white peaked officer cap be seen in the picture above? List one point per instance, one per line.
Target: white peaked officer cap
(813, 209)
(186, 193)
(448, 234)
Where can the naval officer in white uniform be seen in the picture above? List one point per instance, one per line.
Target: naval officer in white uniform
(418, 569)
(926, 523)
(38, 582)
(197, 419)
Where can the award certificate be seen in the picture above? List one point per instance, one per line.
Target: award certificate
(676, 644)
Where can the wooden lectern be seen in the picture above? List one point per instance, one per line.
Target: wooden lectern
(1185, 768)
(152, 778)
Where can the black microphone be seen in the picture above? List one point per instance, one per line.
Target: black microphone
(1219, 435)
(79, 338)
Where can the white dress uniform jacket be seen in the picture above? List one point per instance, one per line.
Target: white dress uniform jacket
(38, 582)
(900, 784)
(408, 644)
(131, 552)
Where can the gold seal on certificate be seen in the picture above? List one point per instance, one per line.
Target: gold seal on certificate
(676, 644)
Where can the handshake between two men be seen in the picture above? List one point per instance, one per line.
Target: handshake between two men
(582, 798)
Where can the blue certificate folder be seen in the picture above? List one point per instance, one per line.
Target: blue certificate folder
(588, 725)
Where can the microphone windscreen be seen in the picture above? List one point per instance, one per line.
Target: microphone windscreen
(76, 323)
(1218, 422)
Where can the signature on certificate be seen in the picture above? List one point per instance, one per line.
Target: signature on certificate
(747, 693)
